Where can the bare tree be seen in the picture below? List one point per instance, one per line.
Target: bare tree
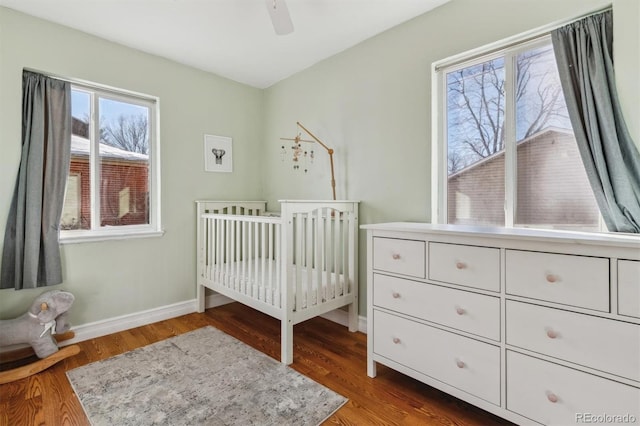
(129, 132)
(476, 106)
(80, 127)
(454, 162)
(545, 102)
(476, 109)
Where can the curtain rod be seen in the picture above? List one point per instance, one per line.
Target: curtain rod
(94, 86)
(527, 36)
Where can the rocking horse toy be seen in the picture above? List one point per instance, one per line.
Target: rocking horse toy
(42, 327)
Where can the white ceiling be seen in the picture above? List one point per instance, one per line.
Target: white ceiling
(231, 38)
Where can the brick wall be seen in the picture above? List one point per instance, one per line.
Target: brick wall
(552, 187)
(124, 187)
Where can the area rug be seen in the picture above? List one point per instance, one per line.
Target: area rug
(204, 377)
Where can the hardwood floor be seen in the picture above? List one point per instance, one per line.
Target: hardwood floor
(324, 351)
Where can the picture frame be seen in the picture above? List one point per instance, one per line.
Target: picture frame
(218, 154)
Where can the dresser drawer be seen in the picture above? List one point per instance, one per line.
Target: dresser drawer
(470, 266)
(629, 288)
(463, 310)
(599, 343)
(406, 257)
(571, 280)
(555, 395)
(464, 363)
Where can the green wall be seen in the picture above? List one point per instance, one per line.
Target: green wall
(371, 103)
(114, 278)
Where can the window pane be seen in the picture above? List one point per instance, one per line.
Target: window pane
(475, 144)
(76, 212)
(553, 190)
(71, 211)
(124, 163)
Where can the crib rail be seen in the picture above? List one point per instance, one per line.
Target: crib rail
(320, 252)
(247, 208)
(241, 254)
(252, 208)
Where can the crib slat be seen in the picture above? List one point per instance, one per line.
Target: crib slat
(228, 256)
(329, 245)
(279, 278)
(220, 259)
(320, 252)
(206, 252)
(334, 265)
(220, 244)
(309, 259)
(322, 232)
(256, 258)
(227, 265)
(353, 252)
(329, 255)
(275, 260)
(245, 258)
(218, 249)
(298, 261)
(248, 260)
(232, 254)
(263, 250)
(336, 253)
(212, 256)
(222, 249)
(269, 282)
(346, 270)
(210, 252)
(237, 238)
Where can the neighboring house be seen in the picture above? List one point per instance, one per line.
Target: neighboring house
(124, 183)
(79, 127)
(552, 190)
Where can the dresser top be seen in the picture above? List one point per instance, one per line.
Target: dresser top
(615, 239)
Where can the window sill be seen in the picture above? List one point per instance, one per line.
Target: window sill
(74, 237)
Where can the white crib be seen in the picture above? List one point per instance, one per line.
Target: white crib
(293, 266)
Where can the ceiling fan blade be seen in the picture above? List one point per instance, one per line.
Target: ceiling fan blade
(279, 16)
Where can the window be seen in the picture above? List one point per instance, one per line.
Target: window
(506, 154)
(113, 182)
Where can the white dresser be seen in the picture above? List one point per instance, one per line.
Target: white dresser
(537, 327)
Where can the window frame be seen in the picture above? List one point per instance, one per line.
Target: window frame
(508, 48)
(97, 232)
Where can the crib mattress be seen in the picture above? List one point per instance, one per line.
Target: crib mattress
(260, 281)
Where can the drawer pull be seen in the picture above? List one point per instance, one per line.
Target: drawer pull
(395, 256)
(460, 311)
(396, 340)
(461, 265)
(552, 397)
(395, 295)
(551, 278)
(460, 363)
(552, 334)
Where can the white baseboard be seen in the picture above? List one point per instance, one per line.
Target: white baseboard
(113, 325)
(342, 317)
(125, 322)
(215, 300)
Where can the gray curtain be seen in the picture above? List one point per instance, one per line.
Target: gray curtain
(584, 53)
(31, 253)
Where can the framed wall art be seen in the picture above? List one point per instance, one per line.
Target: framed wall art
(218, 153)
